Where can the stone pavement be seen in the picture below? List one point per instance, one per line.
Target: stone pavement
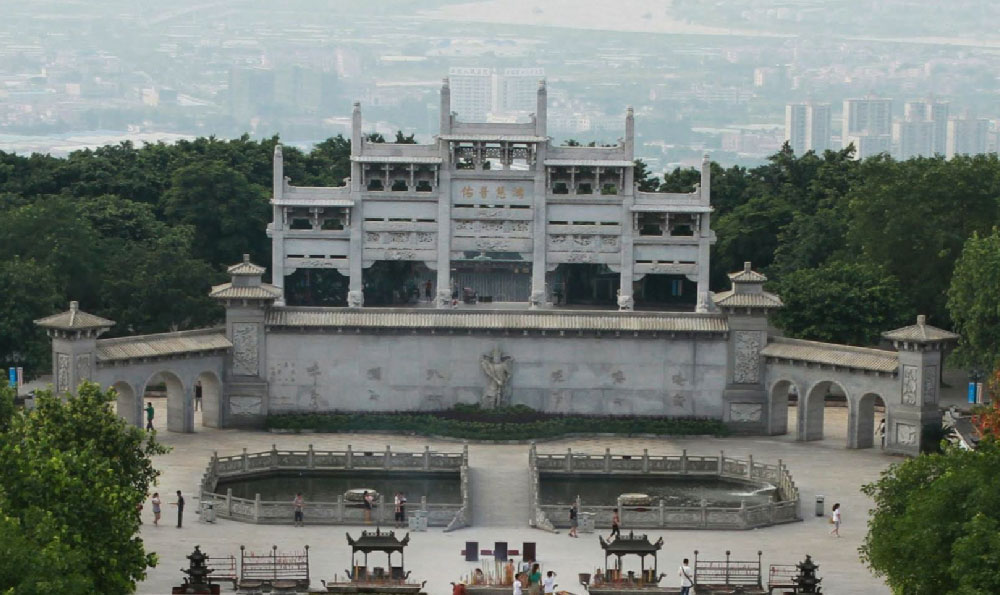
(499, 500)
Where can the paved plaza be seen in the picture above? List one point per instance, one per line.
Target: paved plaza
(499, 491)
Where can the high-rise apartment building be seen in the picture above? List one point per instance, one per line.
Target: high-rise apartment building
(807, 127)
(913, 138)
(478, 93)
(471, 93)
(868, 125)
(966, 136)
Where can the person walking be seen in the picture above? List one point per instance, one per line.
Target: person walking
(549, 584)
(573, 520)
(835, 519)
(396, 510)
(615, 529)
(519, 585)
(428, 287)
(881, 432)
(156, 509)
(150, 412)
(180, 509)
(197, 396)
(686, 573)
(368, 499)
(297, 505)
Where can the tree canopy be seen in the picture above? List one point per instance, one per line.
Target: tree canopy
(72, 474)
(974, 300)
(935, 523)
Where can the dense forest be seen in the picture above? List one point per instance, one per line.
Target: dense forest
(139, 234)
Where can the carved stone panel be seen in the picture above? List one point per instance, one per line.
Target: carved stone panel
(906, 434)
(83, 367)
(911, 384)
(747, 354)
(746, 412)
(62, 372)
(245, 348)
(930, 384)
(245, 405)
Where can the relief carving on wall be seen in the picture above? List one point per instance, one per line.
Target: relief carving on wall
(910, 385)
(930, 384)
(747, 368)
(245, 405)
(746, 412)
(906, 434)
(83, 367)
(400, 255)
(245, 348)
(62, 372)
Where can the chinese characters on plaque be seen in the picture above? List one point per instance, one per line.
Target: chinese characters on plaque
(492, 191)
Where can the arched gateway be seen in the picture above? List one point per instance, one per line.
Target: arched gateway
(490, 213)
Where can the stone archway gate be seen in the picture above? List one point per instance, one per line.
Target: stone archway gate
(129, 364)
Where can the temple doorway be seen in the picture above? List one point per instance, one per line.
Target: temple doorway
(670, 292)
(584, 284)
(398, 283)
(316, 287)
(491, 281)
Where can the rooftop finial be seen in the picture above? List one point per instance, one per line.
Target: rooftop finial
(921, 320)
(74, 306)
(746, 267)
(246, 258)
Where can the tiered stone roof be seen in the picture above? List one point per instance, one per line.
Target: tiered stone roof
(74, 319)
(162, 344)
(920, 333)
(841, 356)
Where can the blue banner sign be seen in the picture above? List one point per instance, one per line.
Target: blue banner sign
(13, 376)
(972, 392)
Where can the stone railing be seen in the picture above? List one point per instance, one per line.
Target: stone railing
(450, 516)
(658, 515)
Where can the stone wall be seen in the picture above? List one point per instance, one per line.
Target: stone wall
(367, 371)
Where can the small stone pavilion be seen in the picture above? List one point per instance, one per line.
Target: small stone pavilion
(528, 274)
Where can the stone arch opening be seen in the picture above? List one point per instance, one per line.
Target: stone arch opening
(126, 405)
(781, 392)
(179, 409)
(812, 408)
(209, 387)
(870, 406)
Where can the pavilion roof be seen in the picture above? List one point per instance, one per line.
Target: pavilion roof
(378, 541)
(246, 268)
(630, 544)
(74, 319)
(920, 333)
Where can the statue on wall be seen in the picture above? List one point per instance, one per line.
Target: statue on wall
(498, 369)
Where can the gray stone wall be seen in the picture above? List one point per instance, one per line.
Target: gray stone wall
(313, 371)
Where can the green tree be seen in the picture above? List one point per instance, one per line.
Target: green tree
(913, 218)
(33, 561)
(841, 302)
(29, 293)
(934, 525)
(71, 476)
(974, 301)
(227, 211)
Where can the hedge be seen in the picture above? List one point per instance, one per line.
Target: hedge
(510, 423)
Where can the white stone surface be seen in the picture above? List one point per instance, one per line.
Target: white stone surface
(499, 492)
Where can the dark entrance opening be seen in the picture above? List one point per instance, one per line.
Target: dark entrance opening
(585, 284)
(316, 287)
(672, 292)
(397, 283)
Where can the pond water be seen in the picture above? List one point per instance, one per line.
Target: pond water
(603, 490)
(439, 488)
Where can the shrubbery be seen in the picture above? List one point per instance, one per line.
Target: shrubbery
(509, 423)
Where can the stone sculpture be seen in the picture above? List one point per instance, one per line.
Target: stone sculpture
(498, 369)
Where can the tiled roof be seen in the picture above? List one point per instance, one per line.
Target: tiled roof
(747, 275)
(513, 320)
(246, 268)
(845, 356)
(394, 159)
(510, 138)
(731, 299)
(74, 319)
(920, 333)
(162, 344)
(228, 291)
(589, 162)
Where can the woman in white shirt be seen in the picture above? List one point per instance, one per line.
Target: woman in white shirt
(835, 519)
(549, 583)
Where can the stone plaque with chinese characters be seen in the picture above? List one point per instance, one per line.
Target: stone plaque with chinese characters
(492, 192)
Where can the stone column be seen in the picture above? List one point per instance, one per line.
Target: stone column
(626, 301)
(443, 294)
(355, 295)
(539, 298)
(277, 227)
(704, 238)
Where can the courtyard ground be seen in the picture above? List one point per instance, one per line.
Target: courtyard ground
(499, 489)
